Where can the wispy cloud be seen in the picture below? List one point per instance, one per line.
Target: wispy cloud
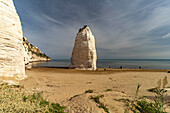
(55, 21)
(166, 36)
(123, 29)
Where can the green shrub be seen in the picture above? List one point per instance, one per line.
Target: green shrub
(89, 91)
(108, 90)
(142, 105)
(82, 28)
(104, 108)
(56, 108)
(100, 105)
(13, 99)
(40, 54)
(96, 98)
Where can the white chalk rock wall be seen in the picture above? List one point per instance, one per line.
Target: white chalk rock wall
(11, 42)
(84, 52)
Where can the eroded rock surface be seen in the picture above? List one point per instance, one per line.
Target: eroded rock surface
(84, 51)
(11, 42)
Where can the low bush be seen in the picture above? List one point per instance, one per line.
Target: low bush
(108, 90)
(13, 99)
(143, 105)
(100, 105)
(89, 91)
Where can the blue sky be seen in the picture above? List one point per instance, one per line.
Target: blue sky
(122, 28)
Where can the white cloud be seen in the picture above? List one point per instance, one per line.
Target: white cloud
(166, 36)
(122, 28)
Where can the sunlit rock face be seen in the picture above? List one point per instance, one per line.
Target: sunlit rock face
(11, 42)
(84, 51)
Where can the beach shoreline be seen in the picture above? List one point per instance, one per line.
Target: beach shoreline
(112, 63)
(67, 69)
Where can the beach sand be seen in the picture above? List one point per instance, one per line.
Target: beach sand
(68, 86)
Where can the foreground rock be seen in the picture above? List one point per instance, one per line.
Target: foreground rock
(11, 43)
(84, 51)
(32, 53)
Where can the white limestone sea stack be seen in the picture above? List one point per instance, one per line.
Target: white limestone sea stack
(84, 51)
(11, 43)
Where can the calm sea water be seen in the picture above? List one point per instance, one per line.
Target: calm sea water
(114, 63)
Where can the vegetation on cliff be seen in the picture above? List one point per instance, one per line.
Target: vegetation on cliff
(81, 29)
(34, 50)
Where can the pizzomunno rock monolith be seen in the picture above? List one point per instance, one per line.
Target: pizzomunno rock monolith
(84, 51)
(11, 42)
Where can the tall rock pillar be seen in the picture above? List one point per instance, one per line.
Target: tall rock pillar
(11, 42)
(84, 52)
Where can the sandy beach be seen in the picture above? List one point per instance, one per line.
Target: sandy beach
(67, 86)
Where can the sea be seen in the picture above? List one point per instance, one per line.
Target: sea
(112, 63)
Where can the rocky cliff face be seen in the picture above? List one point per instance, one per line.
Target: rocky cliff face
(84, 51)
(11, 42)
(32, 53)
